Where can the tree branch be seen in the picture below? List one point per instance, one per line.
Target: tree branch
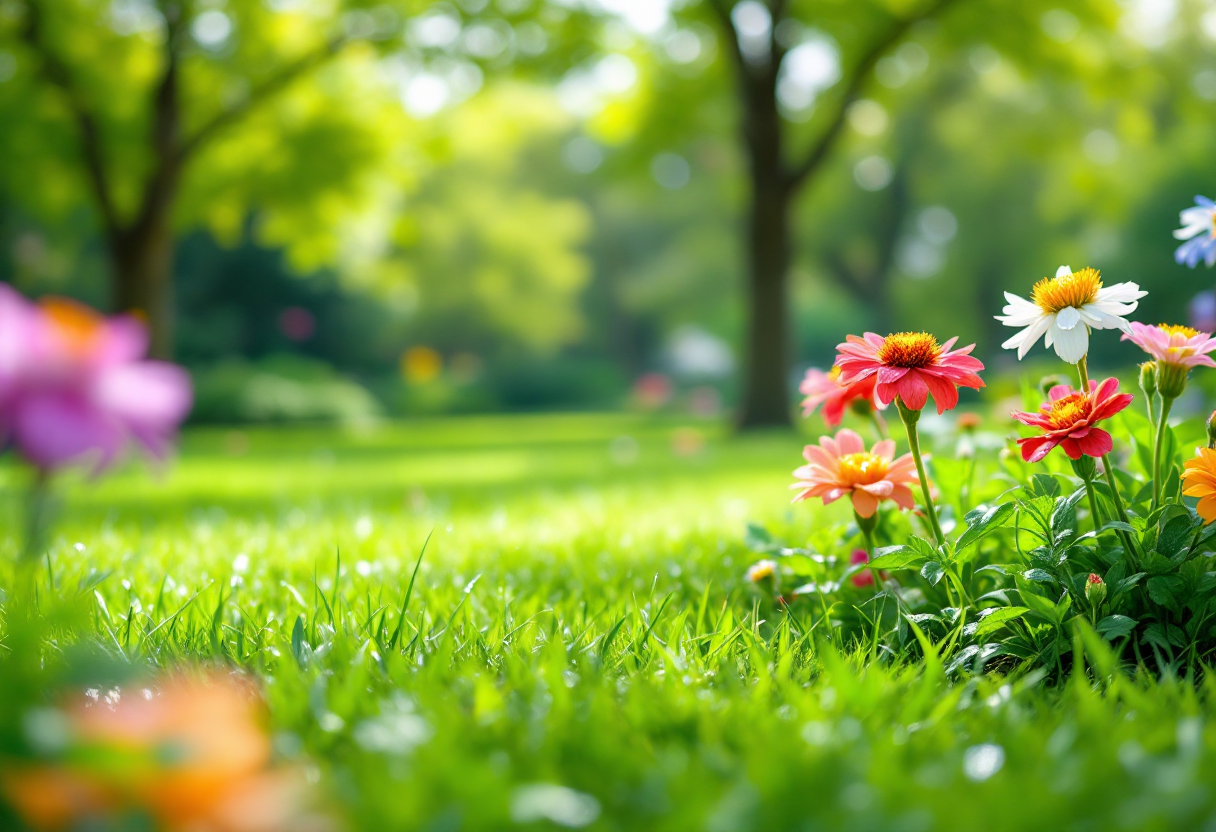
(721, 10)
(59, 75)
(267, 89)
(861, 73)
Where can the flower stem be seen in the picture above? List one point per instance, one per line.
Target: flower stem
(1122, 512)
(1083, 371)
(1162, 425)
(910, 418)
(1093, 505)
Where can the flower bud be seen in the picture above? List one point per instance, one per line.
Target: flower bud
(1095, 590)
(1148, 378)
(1212, 430)
(1085, 467)
(1171, 379)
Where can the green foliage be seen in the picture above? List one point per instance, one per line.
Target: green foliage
(599, 640)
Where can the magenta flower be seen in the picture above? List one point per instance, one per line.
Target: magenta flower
(1177, 345)
(911, 366)
(74, 386)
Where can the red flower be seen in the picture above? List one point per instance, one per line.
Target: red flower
(1068, 419)
(825, 389)
(910, 365)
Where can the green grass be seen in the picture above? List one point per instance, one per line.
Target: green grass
(580, 619)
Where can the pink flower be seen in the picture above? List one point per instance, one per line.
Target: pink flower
(910, 365)
(842, 465)
(1068, 419)
(825, 389)
(1177, 345)
(864, 577)
(72, 384)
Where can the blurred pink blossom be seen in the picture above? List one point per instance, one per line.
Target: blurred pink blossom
(74, 385)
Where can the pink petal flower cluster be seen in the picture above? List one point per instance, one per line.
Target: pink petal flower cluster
(825, 389)
(842, 465)
(1069, 418)
(74, 387)
(1177, 345)
(910, 366)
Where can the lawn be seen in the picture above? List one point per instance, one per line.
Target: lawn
(580, 647)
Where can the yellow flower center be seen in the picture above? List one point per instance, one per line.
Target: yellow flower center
(1176, 329)
(1052, 294)
(75, 325)
(1069, 410)
(834, 373)
(862, 469)
(909, 349)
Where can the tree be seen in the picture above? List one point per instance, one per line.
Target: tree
(777, 174)
(170, 114)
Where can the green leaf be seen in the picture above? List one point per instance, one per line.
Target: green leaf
(1175, 532)
(932, 572)
(1040, 575)
(759, 539)
(1116, 626)
(911, 554)
(997, 619)
(983, 521)
(1032, 599)
(1164, 589)
(1044, 485)
(1064, 516)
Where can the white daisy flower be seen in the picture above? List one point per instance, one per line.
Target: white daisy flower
(1065, 308)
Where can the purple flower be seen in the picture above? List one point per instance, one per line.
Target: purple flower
(74, 386)
(1199, 231)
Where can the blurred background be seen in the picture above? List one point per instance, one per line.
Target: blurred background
(345, 210)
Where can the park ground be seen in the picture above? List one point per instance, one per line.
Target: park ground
(579, 647)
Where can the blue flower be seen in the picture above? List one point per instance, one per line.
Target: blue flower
(1199, 231)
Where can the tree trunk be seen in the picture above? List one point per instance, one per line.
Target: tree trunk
(766, 400)
(143, 280)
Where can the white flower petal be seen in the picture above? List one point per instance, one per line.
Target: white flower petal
(1063, 271)
(1196, 214)
(1107, 316)
(1020, 318)
(1191, 230)
(1120, 293)
(1033, 333)
(1068, 317)
(1071, 344)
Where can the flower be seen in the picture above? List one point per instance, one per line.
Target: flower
(73, 383)
(1199, 480)
(825, 389)
(192, 755)
(841, 465)
(969, 421)
(1199, 231)
(864, 577)
(762, 570)
(1068, 419)
(1170, 344)
(1065, 308)
(909, 365)
(1175, 350)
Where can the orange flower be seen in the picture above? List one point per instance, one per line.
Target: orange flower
(191, 755)
(842, 465)
(1199, 480)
